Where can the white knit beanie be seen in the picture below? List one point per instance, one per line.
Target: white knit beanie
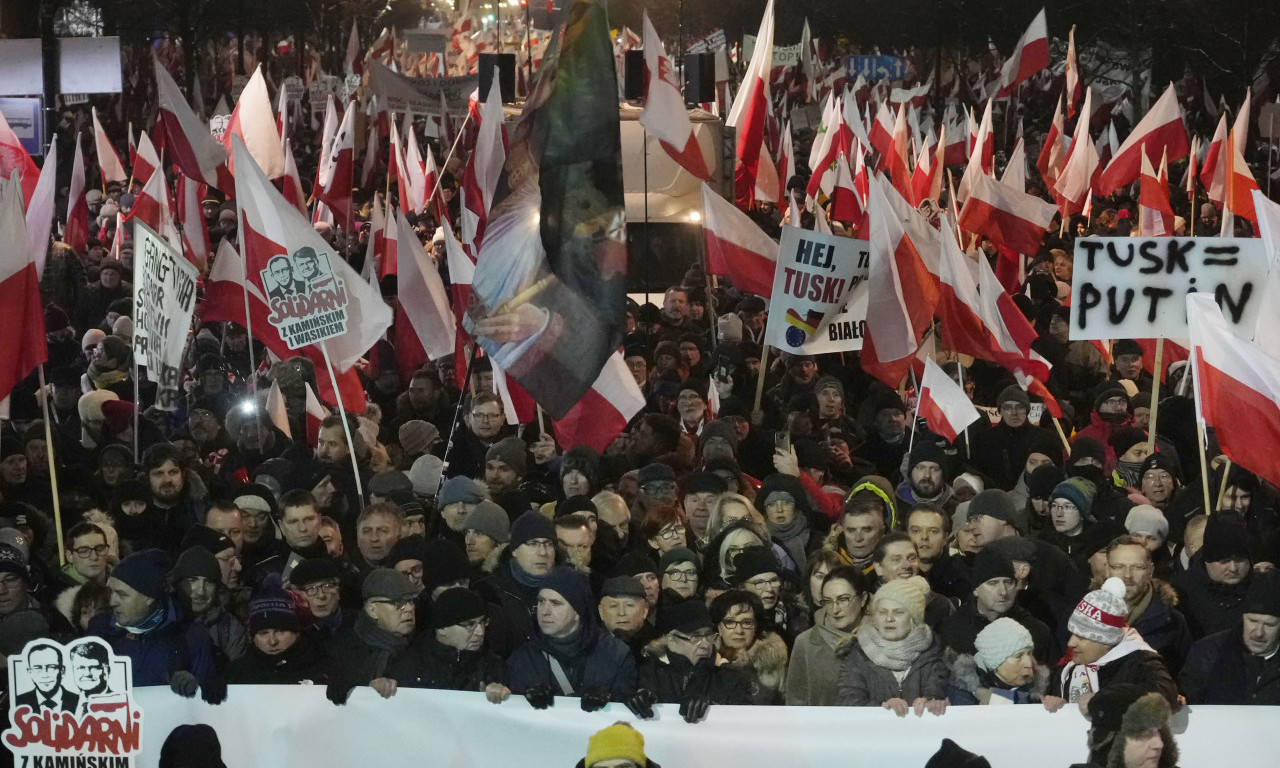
(999, 640)
(1102, 615)
(1145, 518)
(910, 593)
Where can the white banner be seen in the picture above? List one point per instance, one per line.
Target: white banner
(783, 55)
(846, 329)
(164, 295)
(288, 726)
(1135, 287)
(813, 279)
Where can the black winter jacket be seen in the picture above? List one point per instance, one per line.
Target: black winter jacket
(1220, 670)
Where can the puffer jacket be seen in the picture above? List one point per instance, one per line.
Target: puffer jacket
(970, 685)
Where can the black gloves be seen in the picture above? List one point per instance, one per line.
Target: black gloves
(694, 708)
(184, 684)
(641, 703)
(338, 692)
(594, 698)
(215, 691)
(539, 697)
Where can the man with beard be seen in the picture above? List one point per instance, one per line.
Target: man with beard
(205, 427)
(654, 437)
(164, 468)
(928, 477)
(204, 576)
(682, 669)
(675, 316)
(691, 405)
(1151, 601)
(802, 375)
(625, 612)
(994, 595)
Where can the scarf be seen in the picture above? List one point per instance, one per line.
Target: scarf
(103, 379)
(526, 579)
(794, 536)
(149, 622)
(1140, 607)
(565, 648)
(1128, 472)
(385, 643)
(894, 655)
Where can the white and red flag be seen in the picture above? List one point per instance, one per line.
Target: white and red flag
(749, 112)
(22, 345)
(1029, 57)
(291, 182)
(416, 169)
(604, 411)
(422, 294)
(39, 217)
(736, 246)
(145, 160)
(963, 328)
(276, 409)
(1010, 217)
(254, 122)
(981, 157)
(316, 414)
(1072, 188)
(1237, 389)
(484, 167)
(664, 113)
(108, 159)
(334, 189)
(943, 404)
(14, 157)
(1160, 130)
(1155, 214)
(186, 138)
(151, 207)
(195, 233)
(1053, 154)
(352, 63)
(1072, 73)
(926, 179)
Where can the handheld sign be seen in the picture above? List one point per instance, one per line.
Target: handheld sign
(164, 297)
(1135, 287)
(814, 277)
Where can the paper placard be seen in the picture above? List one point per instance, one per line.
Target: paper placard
(814, 277)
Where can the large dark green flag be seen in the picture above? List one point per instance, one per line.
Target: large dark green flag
(550, 282)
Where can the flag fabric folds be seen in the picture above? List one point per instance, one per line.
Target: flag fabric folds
(664, 113)
(422, 293)
(943, 404)
(22, 345)
(1161, 129)
(1029, 57)
(736, 246)
(1010, 217)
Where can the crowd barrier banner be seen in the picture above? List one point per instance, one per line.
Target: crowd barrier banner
(298, 726)
(1136, 287)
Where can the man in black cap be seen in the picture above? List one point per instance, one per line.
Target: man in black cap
(994, 596)
(999, 451)
(1212, 590)
(514, 586)
(281, 653)
(1126, 363)
(1110, 411)
(1241, 664)
(454, 654)
(198, 578)
(681, 668)
(887, 441)
(928, 481)
(376, 651)
(320, 581)
(700, 492)
(1160, 478)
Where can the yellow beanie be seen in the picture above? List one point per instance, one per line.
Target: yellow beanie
(617, 741)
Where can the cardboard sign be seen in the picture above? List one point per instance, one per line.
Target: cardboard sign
(813, 279)
(783, 55)
(713, 41)
(72, 705)
(218, 126)
(1135, 287)
(164, 296)
(308, 301)
(847, 329)
(293, 88)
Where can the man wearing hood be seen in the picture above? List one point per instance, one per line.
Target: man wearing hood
(1110, 412)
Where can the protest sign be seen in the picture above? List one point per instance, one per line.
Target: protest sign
(421, 95)
(72, 705)
(308, 301)
(813, 278)
(712, 41)
(1134, 287)
(164, 296)
(783, 55)
(845, 330)
(293, 88)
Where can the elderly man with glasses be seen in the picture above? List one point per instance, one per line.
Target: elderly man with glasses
(378, 650)
(455, 656)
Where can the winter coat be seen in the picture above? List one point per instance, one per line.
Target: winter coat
(815, 666)
(970, 685)
(1164, 627)
(765, 665)
(230, 640)
(1210, 607)
(602, 663)
(959, 632)
(1220, 670)
(173, 646)
(513, 623)
(999, 452)
(449, 669)
(949, 577)
(673, 678)
(303, 664)
(863, 683)
(1130, 661)
(353, 661)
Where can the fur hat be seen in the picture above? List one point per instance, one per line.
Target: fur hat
(1225, 538)
(1127, 710)
(998, 641)
(990, 564)
(752, 562)
(911, 594)
(1101, 616)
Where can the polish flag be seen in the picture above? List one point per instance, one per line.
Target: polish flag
(370, 163)
(1034, 386)
(422, 294)
(749, 112)
(352, 62)
(462, 272)
(187, 138)
(291, 184)
(334, 189)
(768, 187)
(881, 134)
(664, 113)
(133, 145)
(982, 157)
(151, 207)
(827, 146)
(1073, 183)
(1072, 73)
(399, 168)
(1010, 217)
(1213, 172)
(39, 216)
(902, 292)
(897, 161)
(254, 122)
(277, 411)
(282, 115)
(943, 404)
(957, 143)
(315, 415)
(1029, 57)
(432, 200)
(1160, 129)
(828, 129)
(195, 233)
(963, 329)
(604, 411)
(1155, 214)
(845, 204)
(926, 180)
(1240, 188)
(383, 242)
(786, 160)
(416, 170)
(1237, 389)
(146, 160)
(108, 160)
(517, 404)
(117, 239)
(480, 179)
(1010, 330)
(1015, 171)
(269, 226)
(1192, 172)
(1054, 152)
(22, 346)
(736, 247)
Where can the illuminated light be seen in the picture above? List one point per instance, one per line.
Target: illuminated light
(695, 216)
(249, 406)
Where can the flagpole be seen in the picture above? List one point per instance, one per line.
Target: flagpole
(137, 404)
(441, 171)
(1155, 394)
(912, 441)
(53, 466)
(648, 271)
(248, 329)
(960, 371)
(1222, 488)
(346, 427)
(457, 414)
(764, 369)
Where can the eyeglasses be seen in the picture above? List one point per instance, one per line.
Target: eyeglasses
(101, 549)
(662, 486)
(38, 668)
(679, 574)
(698, 639)
(773, 583)
(843, 601)
(671, 532)
(414, 572)
(474, 624)
(399, 605)
(486, 417)
(1065, 506)
(540, 544)
(323, 588)
(732, 624)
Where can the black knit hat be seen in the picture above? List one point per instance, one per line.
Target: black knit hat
(443, 562)
(752, 562)
(1107, 390)
(272, 608)
(1263, 595)
(1087, 448)
(1124, 438)
(996, 503)
(635, 563)
(991, 564)
(313, 570)
(196, 562)
(687, 616)
(529, 526)
(704, 482)
(1161, 461)
(204, 536)
(454, 606)
(192, 746)
(1225, 538)
(1042, 480)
